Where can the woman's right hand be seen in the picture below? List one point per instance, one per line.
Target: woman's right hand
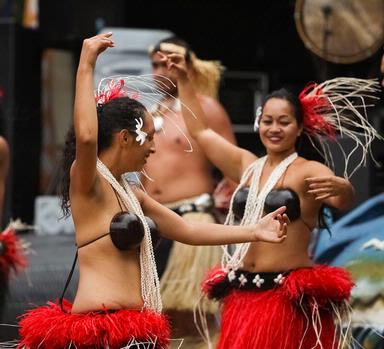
(93, 46)
(272, 227)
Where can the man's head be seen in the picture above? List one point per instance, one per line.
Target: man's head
(205, 75)
(171, 44)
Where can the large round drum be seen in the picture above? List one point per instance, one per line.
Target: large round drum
(341, 31)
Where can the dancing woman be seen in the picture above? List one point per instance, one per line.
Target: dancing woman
(118, 302)
(273, 296)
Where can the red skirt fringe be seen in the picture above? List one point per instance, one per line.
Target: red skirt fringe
(297, 314)
(48, 327)
(12, 255)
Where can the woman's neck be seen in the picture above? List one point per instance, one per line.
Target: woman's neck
(275, 158)
(109, 161)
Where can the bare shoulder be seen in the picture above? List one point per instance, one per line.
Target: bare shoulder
(206, 100)
(213, 108)
(311, 168)
(4, 147)
(217, 117)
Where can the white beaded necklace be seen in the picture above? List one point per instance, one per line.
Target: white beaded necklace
(150, 284)
(254, 206)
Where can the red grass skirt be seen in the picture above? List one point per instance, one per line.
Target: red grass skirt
(12, 255)
(299, 313)
(49, 327)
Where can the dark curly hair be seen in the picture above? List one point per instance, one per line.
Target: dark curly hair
(113, 116)
(291, 98)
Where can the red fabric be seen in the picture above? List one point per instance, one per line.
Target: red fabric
(314, 107)
(14, 257)
(215, 275)
(48, 327)
(273, 319)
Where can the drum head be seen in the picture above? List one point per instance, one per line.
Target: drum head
(341, 31)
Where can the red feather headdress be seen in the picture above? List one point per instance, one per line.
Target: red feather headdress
(339, 107)
(315, 105)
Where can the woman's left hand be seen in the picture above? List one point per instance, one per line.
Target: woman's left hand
(273, 226)
(324, 187)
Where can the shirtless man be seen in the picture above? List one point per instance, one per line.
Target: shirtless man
(183, 180)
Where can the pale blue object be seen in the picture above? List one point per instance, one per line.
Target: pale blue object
(350, 233)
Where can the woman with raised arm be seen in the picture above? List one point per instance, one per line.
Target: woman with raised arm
(273, 295)
(118, 302)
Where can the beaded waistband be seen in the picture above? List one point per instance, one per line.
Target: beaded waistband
(218, 287)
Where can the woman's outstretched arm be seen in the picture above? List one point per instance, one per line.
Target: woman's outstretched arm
(271, 228)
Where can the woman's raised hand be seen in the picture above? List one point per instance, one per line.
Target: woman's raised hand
(93, 46)
(272, 227)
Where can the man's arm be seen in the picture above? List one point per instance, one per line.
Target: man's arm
(217, 118)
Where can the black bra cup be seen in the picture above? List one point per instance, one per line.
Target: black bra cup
(239, 202)
(275, 199)
(283, 197)
(127, 231)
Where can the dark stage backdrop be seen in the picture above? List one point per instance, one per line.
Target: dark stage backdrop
(246, 40)
(20, 115)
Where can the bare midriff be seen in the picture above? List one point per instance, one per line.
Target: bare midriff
(293, 252)
(290, 254)
(109, 278)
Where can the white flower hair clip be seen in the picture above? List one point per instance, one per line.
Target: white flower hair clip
(141, 135)
(259, 112)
